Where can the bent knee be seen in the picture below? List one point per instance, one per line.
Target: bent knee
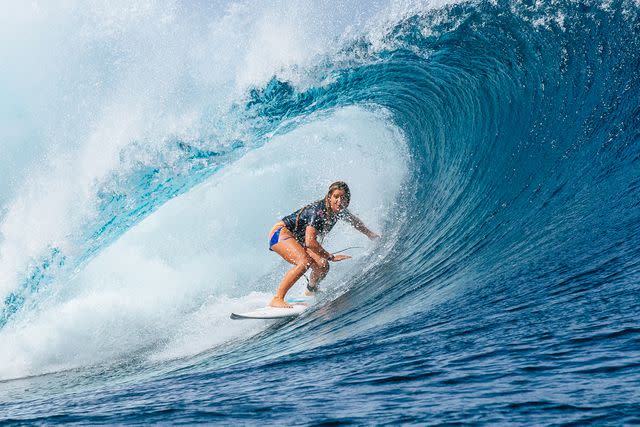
(304, 261)
(323, 265)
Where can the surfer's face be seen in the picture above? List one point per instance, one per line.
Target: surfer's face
(338, 200)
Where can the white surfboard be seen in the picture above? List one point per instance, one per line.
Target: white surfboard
(300, 304)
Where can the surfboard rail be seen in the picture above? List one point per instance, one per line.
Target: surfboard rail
(269, 312)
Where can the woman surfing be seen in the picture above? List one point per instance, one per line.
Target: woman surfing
(296, 239)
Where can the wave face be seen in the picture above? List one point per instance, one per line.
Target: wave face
(496, 145)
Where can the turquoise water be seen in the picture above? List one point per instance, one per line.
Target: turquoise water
(494, 145)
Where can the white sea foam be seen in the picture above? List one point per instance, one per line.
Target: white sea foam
(96, 87)
(92, 78)
(172, 280)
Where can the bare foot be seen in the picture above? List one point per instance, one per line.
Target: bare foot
(308, 293)
(280, 303)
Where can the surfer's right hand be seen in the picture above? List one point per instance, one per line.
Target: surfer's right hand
(336, 258)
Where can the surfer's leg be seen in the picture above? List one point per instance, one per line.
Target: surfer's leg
(293, 252)
(319, 269)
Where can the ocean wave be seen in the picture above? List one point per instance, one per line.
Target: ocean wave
(494, 143)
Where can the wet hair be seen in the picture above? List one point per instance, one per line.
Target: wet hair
(338, 185)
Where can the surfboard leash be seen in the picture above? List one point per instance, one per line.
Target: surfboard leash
(346, 249)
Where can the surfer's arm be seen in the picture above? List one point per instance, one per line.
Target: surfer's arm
(311, 242)
(359, 225)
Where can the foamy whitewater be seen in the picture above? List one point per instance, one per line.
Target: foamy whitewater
(148, 147)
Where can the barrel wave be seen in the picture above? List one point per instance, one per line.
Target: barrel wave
(494, 145)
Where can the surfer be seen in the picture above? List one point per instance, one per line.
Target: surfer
(295, 239)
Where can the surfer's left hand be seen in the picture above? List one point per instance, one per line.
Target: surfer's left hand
(340, 257)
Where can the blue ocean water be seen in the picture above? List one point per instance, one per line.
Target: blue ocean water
(495, 146)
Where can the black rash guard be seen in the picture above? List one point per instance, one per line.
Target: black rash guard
(316, 216)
